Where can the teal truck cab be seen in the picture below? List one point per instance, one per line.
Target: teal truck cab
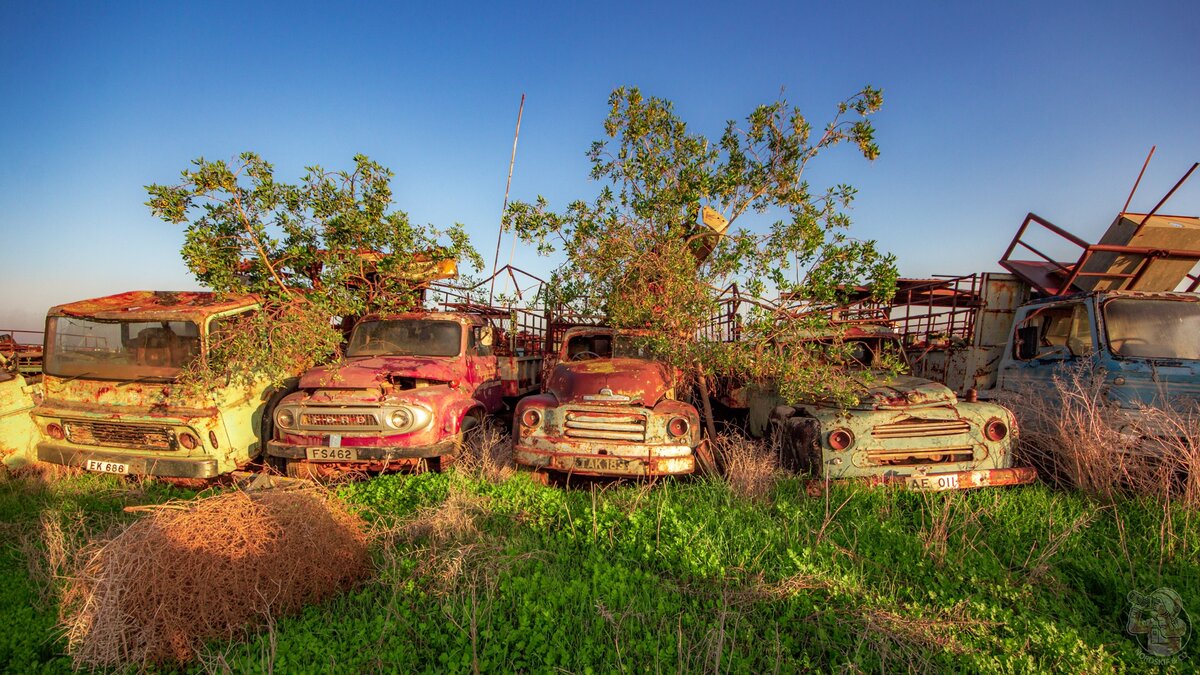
(902, 429)
(1126, 307)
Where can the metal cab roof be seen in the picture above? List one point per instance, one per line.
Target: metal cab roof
(155, 305)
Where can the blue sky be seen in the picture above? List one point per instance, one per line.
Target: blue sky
(991, 110)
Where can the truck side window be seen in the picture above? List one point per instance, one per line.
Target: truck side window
(222, 328)
(1060, 329)
(475, 342)
(1079, 341)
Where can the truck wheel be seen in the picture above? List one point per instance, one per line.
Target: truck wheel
(470, 431)
(794, 438)
(266, 431)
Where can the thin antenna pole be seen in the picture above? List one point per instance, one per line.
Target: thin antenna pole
(500, 235)
(1139, 178)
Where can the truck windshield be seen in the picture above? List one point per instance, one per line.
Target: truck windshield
(415, 337)
(119, 350)
(607, 346)
(1153, 329)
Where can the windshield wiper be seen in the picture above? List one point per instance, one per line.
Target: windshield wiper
(76, 377)
(144, 378)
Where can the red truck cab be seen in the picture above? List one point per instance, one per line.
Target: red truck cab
(409, 389)
(607, 409)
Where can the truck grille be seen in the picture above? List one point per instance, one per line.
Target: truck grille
(119, 435)
(919, 428)
(606, 426)
(338, 420)
(921, 456)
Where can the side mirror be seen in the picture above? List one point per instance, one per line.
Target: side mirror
(1027, 342)
(487, 336)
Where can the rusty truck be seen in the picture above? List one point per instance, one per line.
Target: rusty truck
(902, 429)
(18, 433)
(608, 409)
(22, 352)
(1127, 306)
(112, 399)
(409, 391)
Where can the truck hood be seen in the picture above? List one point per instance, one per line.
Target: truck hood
(620, 381)
(1153, 383)
(904, 391)
(372, 372)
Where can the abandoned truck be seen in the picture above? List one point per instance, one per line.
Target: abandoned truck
(903, 429)
(411, 387)
(607, 409)
(22, 354)
(112, 402)
(18, 433)
(1116, 308)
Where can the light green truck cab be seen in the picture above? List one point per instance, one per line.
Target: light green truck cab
(18, 433)
(903, 429)
(112, 402)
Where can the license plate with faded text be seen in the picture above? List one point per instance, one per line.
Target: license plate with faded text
(934, 483)
(106, 467)
(332, 454)
(614, 465)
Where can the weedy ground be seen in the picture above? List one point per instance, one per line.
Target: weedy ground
(481, 569)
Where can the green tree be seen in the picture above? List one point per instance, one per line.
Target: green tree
(331, 247)
(640, 255)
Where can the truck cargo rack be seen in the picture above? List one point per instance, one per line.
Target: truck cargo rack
(525, 326)
(22, 349)
(1166, 258)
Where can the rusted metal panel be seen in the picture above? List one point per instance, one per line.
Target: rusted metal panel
(150, 305)
(942, 481)
(18, 434)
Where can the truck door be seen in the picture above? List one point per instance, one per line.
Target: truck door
(1046, 340)
(482, 357)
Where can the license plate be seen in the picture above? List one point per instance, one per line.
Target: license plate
(934, 483)
(332, 454)
(107, 467)
(618, 465)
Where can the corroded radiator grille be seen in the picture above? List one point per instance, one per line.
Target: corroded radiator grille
(119, 435)
(606, 426)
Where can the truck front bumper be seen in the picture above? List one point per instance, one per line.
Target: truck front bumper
(959, 480)
(637, 461)
(364, 454)
(169, 467)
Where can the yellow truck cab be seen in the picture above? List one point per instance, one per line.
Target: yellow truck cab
(112, 402)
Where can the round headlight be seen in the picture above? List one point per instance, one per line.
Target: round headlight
(678, 426)
(285, 418)
(840, 439)
(531, 417)
(995, 430)
(188, 441)
(55, 431)
(400, 418)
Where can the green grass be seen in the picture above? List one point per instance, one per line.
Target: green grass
(684, 576)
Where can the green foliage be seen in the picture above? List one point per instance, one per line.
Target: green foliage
(640, 255)
(329, 247)
(687, 576)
